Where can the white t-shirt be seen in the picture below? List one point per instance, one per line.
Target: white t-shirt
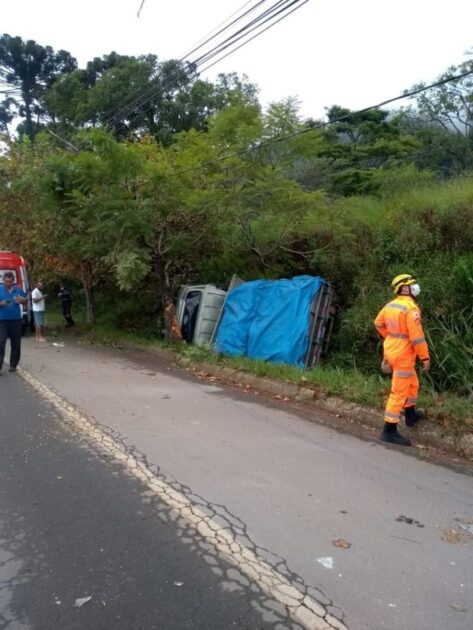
(38, 306)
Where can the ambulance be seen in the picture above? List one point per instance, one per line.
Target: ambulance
(9, 261)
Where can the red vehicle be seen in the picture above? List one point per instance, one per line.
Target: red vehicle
(9, 261)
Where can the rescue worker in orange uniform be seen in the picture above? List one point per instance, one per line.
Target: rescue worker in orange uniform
(399, 323)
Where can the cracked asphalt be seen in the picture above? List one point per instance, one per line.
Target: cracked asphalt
(74, 525)
(211, 508)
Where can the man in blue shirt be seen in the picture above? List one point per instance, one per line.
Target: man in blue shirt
(11, 297)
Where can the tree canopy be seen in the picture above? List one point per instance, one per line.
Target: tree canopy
(27, 70)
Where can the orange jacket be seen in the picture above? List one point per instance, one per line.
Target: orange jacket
(399, 322)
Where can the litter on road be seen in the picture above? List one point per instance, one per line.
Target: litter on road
(327, 563)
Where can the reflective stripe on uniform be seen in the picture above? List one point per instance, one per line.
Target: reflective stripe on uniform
(403, 374)
(416, 342)
(412, 401)
(380, 325)
(398, 335)
(392, 416)
(401, 307)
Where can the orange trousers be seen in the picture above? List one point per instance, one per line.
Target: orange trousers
(404, 388)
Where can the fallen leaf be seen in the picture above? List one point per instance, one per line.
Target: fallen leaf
(341, 543)
(81, 601)
(452, 536)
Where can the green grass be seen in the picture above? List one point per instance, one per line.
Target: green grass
(348, 384)
(101, 332)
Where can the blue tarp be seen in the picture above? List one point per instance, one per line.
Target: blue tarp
(268, 320)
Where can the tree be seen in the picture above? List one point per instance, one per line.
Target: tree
(449, 105)
(27, 70)
(443, 121)
(140, 95)
(356, 144)
(440, 149)
(6, 113)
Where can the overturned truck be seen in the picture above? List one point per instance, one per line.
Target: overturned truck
(281, 321)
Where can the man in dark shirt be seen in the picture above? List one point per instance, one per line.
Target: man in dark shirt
(11, 297)
(65, 298)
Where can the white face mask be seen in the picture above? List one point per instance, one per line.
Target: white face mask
(415, 289)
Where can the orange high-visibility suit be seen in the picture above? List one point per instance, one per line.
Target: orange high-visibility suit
(399, 322)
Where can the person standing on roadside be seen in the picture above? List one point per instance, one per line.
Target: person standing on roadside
(65, 298)
(39, 307)
(11, 297)
(399, 323)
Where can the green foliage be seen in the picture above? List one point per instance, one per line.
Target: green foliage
(153, 97)
(451, 341)
(29, 69)
(168, 206)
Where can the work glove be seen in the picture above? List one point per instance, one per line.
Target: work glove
(385, 367)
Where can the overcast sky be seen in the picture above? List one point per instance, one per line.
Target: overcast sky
(347, 52)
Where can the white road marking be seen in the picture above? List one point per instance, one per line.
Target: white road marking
(302, 608)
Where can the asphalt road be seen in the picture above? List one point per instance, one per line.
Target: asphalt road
(74, 525)
(373, 537)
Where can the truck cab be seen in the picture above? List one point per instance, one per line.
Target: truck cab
(10, 261)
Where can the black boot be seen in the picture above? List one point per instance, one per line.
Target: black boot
(391, 434)
(412, 416)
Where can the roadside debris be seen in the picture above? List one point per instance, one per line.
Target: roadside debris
(461, 536)
(327, 563)
(81, 601)
(409, 521)
(467, 527)
(458, 607)
(59, 345)
(341, 543)
(454, 536)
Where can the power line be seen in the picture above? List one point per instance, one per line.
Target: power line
(262, 145)
(254, 37)
(235, 37)
(269, 14)
(232, 23)
(112, 112)
(141, 6)
(214, 30)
